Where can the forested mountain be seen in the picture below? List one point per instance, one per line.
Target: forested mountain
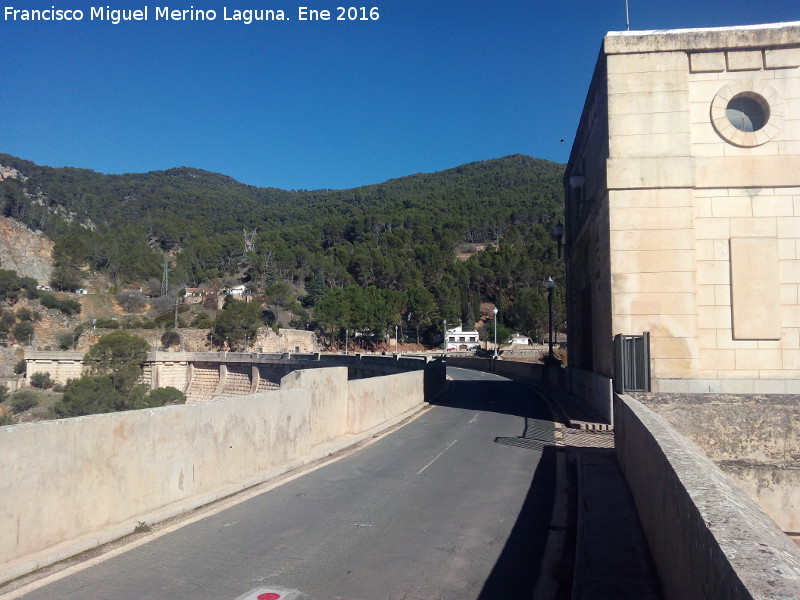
(397, 236)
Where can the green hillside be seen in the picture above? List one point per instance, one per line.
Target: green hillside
(399, 235)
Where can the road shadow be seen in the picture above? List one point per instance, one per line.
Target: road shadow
(501, 396)
(518, 569)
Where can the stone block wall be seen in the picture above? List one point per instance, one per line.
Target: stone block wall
(61, 366)
(702, 221)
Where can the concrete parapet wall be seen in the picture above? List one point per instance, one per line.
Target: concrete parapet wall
(479, 364)
(375, 400)
(747, 427)
(709, 540)
(330, 391)
(72, 484)
(594, 389)
(753, 438)
(535, 372)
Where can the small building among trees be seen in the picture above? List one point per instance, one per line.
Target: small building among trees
(460, 340)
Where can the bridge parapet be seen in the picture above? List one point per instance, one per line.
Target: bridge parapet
(707, 537)
(148, 465)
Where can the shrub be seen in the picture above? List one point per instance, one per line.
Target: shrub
(23, 331)
(166, 319)
(11, 285)
(66, 306)
(170, 338)
(66, 340)
(106, 323)
(23, 400)
(162, 304)
(89, 395)
(164, 397)
(21, 366)
(202, 321)
(3, 393)
(25, 314)
(41, 380)
(132, 301)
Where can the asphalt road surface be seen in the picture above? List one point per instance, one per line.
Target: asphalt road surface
(454, 505)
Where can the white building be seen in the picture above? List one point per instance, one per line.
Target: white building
(520, 340)
(460, 340)
(238, 290)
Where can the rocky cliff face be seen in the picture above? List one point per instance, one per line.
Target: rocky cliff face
(10, 173)
(27, 252)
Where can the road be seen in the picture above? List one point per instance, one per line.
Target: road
(454, 505)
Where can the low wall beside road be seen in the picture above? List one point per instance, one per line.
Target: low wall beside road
(751, 437)
(72, 484)
(709, 540)
(552, 376)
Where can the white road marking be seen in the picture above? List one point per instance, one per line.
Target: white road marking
(436, 457)
(475, 418)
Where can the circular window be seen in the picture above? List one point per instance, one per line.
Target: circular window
(747, 113)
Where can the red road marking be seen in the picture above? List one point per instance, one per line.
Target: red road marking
(268, 596)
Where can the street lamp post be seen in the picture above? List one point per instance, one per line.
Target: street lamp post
(444, 342)
(346, 340)
(395, 339)
(550, 285)
(558, 235)
(495, 311)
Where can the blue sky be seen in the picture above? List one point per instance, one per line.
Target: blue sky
(306, 105)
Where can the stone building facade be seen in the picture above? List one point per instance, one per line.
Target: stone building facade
(683, 209)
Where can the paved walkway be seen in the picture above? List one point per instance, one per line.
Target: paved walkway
(612, 560)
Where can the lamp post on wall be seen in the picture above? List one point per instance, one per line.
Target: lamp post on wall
(346, 341)
(558, 235)
(395, 339)
(495, 311)
(550, 285)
